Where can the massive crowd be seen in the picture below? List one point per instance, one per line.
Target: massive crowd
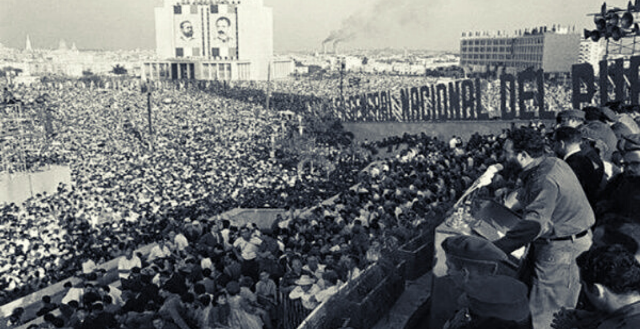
(209, 154)
(131, 190)
(128, 184)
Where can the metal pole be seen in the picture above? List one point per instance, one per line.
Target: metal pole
(342, 65)
(149, 114)
(268, 85)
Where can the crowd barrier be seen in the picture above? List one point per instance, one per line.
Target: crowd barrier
(362, 302)
(418, 255)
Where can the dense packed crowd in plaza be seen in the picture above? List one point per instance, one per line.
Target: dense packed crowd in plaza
(210, 154)
(195, 169)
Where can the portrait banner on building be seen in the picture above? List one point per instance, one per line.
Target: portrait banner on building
(187, 27)
(223, 38)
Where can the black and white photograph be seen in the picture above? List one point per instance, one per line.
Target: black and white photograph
(335, 164)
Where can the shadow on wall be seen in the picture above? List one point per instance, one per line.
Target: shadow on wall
(375, 131)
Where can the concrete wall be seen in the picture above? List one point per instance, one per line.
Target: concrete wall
(263, 218)
(18, 187)
(375, 131)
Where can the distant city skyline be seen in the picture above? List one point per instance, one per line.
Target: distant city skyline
(298, 25)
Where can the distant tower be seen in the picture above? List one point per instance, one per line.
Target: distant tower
(28, 46)
(62, 45)
(73, 47)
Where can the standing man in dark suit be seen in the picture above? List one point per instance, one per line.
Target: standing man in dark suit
(567, 147)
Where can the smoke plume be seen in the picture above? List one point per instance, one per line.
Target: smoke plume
(381, 19)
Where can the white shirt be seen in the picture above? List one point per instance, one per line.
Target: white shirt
(307, 298)
(88, 266)
(125, 265)
(249, 249)
(225, 236)
(353, 274)
(323, 295)
(181, 242)
(158, 252)
(73, 294)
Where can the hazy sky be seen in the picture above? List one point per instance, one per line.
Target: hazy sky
(298, 24)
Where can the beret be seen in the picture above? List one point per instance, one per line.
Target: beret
(629, 143)
(472, 248)
(497, 296)
(609, 114)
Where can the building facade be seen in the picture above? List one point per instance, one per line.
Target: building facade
(215, 40)
(553, 51)
(592, 52)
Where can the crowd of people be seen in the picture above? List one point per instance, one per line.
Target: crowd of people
(132, 189)
(206, 154)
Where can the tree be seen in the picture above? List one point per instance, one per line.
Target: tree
(119, 70)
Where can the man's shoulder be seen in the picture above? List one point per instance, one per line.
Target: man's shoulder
(579, 159)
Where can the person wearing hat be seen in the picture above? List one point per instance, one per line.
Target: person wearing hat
(624, 120)
(492, 301)
(570, 118)
(576, 119)
(306, 290)
(467, 258)
(556, 224)
(597, 129)
(621, 196)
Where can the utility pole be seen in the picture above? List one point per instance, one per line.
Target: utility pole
(149, 116)
(342, 68)
(268, 85)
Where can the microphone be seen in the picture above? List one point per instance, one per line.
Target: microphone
(486, 178)
(482, 181)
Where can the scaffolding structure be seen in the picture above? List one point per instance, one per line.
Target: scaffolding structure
(626, 47)
(21, 139)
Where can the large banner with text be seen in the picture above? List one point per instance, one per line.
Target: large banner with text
(521, 96)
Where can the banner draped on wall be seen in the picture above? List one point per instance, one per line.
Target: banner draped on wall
(188, 31)
(223, 31)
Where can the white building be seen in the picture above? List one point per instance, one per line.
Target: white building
(592, 52)
(215, 40)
